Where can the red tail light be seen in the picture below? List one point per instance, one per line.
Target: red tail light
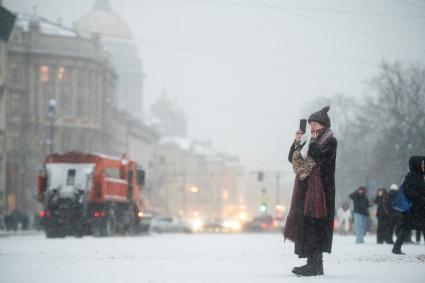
(96, 214)
(103, 214)
(42, 213)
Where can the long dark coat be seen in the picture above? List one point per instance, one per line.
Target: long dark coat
(382, 205)
(315, 235)
(414, 188)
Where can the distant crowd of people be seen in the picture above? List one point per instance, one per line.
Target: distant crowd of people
(390, 221)
(14, 221)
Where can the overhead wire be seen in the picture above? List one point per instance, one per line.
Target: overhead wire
(367, 34)
(320, 10)
(246, 60)
(182, 46)
(286, 10)
(334, 59)
(412, 4)
(232, 49)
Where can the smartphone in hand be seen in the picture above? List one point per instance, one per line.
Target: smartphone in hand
(303, 125)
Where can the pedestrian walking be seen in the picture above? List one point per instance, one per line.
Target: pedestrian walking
(310, 220)
(394, 216)
(361, 213)
(414, 189)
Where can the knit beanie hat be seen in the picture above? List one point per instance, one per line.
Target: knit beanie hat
(321, 117)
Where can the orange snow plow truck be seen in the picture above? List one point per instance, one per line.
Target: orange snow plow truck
(90, 194)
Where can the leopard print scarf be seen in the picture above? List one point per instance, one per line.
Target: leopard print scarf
(302, 167)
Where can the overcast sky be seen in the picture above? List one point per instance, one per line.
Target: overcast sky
(244, 69)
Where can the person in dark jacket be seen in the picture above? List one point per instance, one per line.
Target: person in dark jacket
(361, 213)
(394, 216)
(414, 189)
(311, 216)
(383, 216)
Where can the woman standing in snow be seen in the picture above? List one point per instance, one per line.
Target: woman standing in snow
(414, 188)
(382, 215)
(310, 220)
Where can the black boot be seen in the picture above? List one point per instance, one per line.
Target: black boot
(397, 250)
(397, 245)
(297, 269)
(318, 263)
(306, 270)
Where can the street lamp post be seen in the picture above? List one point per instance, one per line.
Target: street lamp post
(51, 114)
(195, 191)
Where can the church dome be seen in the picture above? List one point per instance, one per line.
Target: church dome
(103, 20)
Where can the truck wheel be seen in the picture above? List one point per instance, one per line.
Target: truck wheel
(132, 228)
(54, 233)
(108, 229)
(50, 233)
(78, 233)
(96, 231)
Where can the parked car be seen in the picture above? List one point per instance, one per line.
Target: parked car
(232, 225)
(168, 224)
(261, 223)
(145, 222)
(213, 225)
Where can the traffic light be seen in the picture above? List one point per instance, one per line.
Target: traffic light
(263, 207)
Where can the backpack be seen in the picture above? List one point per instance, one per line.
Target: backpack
(401, 202)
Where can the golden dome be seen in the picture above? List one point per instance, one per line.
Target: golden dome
(103, 20)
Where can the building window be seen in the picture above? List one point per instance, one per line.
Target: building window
(61, 73)
(13, 73)
(44, 73)
(70, 178)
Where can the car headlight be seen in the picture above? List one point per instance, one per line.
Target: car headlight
(197, 224)
(232, 225)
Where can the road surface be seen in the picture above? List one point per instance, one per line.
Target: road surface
(197, 258)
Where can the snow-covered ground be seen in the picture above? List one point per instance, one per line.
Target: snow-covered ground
(197, 258)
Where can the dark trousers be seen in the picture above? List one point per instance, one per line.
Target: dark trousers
(384, 232)
(404, 233)
(418, 235)
(394, 225)
(392, 228)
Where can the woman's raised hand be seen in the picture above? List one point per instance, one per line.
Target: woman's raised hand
(298, 135)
